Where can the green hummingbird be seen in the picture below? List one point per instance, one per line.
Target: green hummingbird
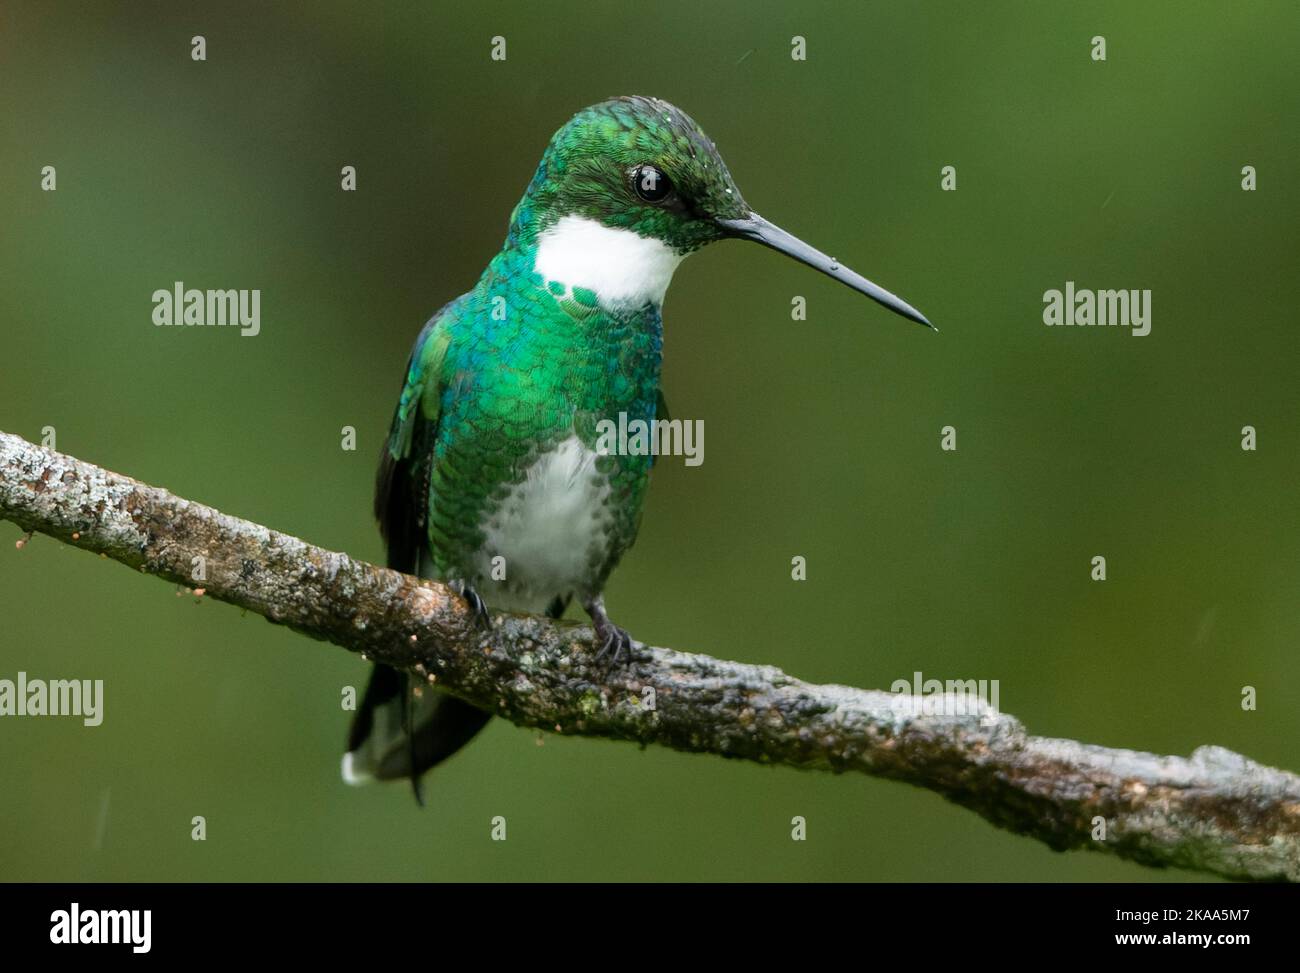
(490, 479)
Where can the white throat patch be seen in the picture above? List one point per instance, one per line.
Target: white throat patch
(622, 268)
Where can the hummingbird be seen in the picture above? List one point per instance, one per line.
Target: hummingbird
(490, 479)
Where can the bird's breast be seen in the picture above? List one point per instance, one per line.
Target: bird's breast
(552, 529)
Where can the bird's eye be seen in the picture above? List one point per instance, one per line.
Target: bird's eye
(651, 184)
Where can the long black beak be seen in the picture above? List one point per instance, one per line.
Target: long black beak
(754, 227)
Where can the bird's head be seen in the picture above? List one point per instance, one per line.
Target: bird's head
(629, 187)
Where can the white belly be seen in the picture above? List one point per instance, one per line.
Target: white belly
(552, 529)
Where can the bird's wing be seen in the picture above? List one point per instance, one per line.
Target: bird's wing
(401, 485)
(382, 742)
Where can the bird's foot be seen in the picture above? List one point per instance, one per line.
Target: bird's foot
(614, 642)
(475, 602)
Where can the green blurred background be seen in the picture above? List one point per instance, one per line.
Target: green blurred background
(822, 436)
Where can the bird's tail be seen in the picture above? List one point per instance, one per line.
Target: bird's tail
(398, 735)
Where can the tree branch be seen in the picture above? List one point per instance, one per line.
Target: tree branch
(1215, 811)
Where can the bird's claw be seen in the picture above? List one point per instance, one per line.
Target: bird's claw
(475, 601)
(613, 639)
